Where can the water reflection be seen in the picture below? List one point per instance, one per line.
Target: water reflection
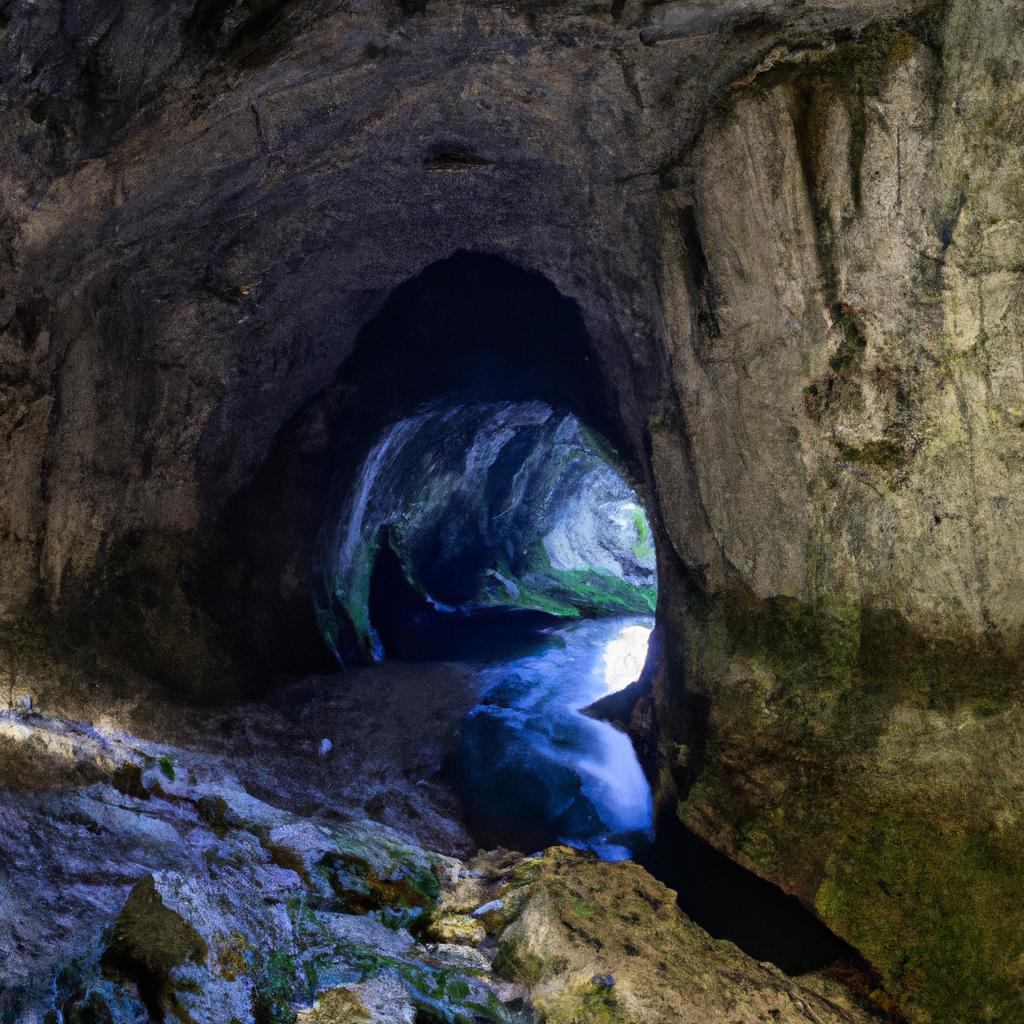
(534, 770)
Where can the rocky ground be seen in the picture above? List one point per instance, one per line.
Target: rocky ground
(232, 872)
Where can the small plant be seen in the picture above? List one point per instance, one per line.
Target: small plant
(166, 767)
(642, 546)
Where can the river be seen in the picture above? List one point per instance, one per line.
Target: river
(534, 769)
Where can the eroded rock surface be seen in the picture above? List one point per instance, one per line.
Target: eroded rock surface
(180, 899)
(792, 231)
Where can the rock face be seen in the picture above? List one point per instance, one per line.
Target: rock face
(195, 901)
(575, 939)
(855, 351)
(788, 238)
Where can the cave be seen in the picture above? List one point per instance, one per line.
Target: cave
(456, 508)
(470, 342)
(510, 512)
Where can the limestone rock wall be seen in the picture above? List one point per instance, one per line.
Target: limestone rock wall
(202, 206)
(852, 395)
(844, 325)
(793, 235)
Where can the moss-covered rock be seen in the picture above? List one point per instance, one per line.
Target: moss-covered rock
(862, 764)
(460, 929)
(336, 1006)
(393, 880)
(604, 943)
(149, 940)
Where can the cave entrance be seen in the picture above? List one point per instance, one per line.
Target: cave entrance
(471, 526)
(481, 465)
(490, 517)
(504, 534)
(474, 348)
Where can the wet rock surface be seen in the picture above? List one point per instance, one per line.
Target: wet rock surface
(190, 899)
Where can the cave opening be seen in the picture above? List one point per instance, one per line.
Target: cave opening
(473, 487)
(485, 506)
(503, 534)
(469, 526)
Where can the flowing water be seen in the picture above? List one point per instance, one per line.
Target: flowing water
(534, 769)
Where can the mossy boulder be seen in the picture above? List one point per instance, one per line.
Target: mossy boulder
(149, 940)
(458, 929)
(336, 1006)
(605, 943)
(397, 881)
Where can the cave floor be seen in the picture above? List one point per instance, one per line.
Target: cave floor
(168, 862)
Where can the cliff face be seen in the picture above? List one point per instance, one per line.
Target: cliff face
(792, 235)
(849, 369)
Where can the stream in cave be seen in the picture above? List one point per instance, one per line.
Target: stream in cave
(535, 770)
(504, 536)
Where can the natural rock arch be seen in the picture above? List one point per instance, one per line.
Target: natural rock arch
(471, 327)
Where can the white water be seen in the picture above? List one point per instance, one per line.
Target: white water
(530, 754)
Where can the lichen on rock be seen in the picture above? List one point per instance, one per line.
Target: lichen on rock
(605, 943)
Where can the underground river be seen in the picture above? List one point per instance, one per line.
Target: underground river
(534, 769)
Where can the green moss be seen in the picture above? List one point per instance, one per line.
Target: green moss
(596, 592)
(439, 995)
(885, 454)
(871, 655)
(580, 907)
(913, 881)
(401, 890)
(943, 897)
(945, 673)
(516, 963)
(353, 593)
(586, 1004)
(166, 767)
(274, 989)
(306, 926)
(643, 547)
(572, 593)
(537, 599)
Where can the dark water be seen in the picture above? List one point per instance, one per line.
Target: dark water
(534, 771)
(735, 904)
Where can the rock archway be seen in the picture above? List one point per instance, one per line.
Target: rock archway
(470, 330)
